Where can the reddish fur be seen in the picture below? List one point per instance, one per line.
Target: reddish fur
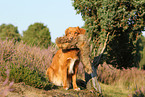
(58, 71)
(72, 32)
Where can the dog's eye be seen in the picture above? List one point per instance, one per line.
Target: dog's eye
(76, 32)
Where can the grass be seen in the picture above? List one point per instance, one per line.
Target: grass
(142, 62)
(114, 91)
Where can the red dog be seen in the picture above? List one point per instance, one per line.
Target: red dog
(63, 69)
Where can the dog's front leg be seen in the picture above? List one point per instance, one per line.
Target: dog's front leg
(74, 77)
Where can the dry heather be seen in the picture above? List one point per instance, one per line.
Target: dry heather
(27, 64)
(131, 79)
(19, 53)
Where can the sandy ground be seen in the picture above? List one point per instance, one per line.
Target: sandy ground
(22, 90)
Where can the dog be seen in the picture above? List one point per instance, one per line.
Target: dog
(63, 69)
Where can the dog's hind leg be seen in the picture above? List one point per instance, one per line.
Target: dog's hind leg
(49, 73)
(54, 78)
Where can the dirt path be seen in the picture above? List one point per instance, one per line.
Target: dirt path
(22, 90)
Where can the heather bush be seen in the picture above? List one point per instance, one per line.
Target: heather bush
(138, 93)
(27, 64)
(107, 73)
(6, 50)
(132, 78)
(30, 77)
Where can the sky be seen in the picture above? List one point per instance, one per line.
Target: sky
(57, 15)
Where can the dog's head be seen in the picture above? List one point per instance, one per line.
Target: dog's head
(72, 32)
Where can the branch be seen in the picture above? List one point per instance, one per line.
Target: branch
(97, 61)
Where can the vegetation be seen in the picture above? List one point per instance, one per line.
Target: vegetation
(9, 32)
(30, 69)
(123, 20)
(37, 34)
(142, 61)
(26, 64)
(131, 79)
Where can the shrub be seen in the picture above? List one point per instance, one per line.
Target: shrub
(132, 78)
(107, 73)
(27, 64)
(6, 50)
(139, 93)
(30, 77)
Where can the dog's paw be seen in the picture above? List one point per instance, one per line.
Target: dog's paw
(77, 89)
(66, 88)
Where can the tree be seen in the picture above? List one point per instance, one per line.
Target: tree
(123, 20)
(114, 28)
(9, 32)
(37, 34)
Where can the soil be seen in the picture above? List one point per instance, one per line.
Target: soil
(22, 90)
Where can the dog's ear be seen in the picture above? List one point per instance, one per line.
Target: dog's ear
(66, 31)
(82, 31)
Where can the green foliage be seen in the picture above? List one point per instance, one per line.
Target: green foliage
(9, 32)
(123, 20)
(30, 77)
(37, 34)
